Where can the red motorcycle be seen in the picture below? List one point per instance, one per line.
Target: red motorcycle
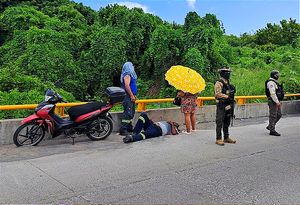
(92, 119)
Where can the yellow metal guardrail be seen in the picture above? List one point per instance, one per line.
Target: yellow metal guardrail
(141, 104)
(241, 100)
(60, 107)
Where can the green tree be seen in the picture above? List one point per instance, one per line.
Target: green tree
(233, 40)
(89, 14)
(12, 77)
(46, 55)
(22, 18)
(107, 52)
(206, 40)
(138, 26)
(193, 59)
(210, 20)
(165, 50)
(285, 33)
(191, 21)
(73, 17)
(247, 40)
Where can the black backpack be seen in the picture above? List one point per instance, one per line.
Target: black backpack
(177, 100)
(280, 92)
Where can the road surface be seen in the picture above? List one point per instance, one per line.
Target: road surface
(259, 169)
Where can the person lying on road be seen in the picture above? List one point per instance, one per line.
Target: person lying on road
(146, 128)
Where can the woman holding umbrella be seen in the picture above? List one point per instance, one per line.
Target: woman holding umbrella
(189, 82)
(188, 108)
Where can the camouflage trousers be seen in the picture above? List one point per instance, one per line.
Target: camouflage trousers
(274, 115)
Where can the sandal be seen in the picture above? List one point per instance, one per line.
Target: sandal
(186, 132)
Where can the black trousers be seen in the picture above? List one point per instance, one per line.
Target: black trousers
(223, 118)
(145, 128)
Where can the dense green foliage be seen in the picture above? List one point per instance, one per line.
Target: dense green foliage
(42, 41)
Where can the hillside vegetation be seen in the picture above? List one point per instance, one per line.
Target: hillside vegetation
(42, 41)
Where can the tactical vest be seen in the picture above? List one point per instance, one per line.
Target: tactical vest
(279, 91)
(227, 89)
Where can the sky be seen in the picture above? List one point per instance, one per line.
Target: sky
(237, 16)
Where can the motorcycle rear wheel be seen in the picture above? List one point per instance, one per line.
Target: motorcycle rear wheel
(100, 128)
(29, 134)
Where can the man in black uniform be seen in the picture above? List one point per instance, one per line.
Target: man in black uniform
(146, 128)
(224, 94)
(275, 93)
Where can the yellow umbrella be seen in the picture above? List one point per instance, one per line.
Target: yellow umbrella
(185, 79)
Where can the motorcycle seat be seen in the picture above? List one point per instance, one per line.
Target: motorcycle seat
(76, 111)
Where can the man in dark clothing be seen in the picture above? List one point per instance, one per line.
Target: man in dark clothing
(224, 94)
(146, 128)
(275, 94)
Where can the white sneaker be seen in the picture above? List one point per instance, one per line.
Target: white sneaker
(186, 132)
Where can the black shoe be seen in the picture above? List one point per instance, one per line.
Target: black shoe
(268, 128)
(127, 139)
(274, 133)
(124, 132)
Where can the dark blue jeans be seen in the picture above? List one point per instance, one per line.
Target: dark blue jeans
(128, 114)
(150, 129)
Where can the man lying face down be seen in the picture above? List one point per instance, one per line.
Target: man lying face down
(146, 128)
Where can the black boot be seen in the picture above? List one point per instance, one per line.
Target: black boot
(274, 133)
(127, 139)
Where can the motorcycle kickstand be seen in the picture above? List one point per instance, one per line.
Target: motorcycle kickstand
(73, 138)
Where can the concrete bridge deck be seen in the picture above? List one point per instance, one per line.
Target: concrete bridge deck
(258, 169)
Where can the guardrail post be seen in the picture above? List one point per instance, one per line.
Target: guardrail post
(141, 107)
(241, 101)
(200, 102)
(56, 110)
(62, 111)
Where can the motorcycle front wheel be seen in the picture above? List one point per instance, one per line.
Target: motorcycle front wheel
(29, 134)
(100, 128)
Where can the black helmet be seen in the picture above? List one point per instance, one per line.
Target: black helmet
(275, 74)
(225, 72)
